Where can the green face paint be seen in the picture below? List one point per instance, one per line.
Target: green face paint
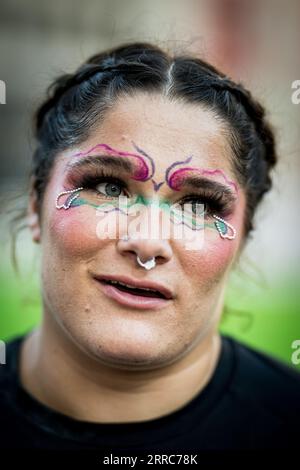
(90, 171)
(177, 213)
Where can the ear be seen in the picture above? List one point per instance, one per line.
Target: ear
(33, 216)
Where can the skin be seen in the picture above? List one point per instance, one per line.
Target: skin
(125, 364)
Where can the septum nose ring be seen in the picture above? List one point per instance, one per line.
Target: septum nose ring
(149, 264)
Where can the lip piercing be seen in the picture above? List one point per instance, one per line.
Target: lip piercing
(222, 227)
(66, 205)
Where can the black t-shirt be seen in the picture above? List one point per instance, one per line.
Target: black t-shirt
(251, 403)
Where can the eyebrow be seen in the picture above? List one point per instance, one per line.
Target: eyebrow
(103, 161)
(198, 182)
(117, 162)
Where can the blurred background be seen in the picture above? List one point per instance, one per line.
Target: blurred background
(253, 41)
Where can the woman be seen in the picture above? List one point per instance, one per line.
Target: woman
(128, 357)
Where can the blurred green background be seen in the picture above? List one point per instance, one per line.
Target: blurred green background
(252, 41)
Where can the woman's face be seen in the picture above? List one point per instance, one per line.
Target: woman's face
(172, 150)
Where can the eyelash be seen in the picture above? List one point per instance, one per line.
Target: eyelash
(213, 202)
(90, 182)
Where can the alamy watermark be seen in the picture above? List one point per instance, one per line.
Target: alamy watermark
(180, 222)
(295, 358)
(2, 92)
(2, 352)
(296, 94)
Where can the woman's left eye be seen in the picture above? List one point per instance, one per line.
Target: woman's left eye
(196, 206)
(110, 189)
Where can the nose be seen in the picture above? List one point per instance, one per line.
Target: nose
(142, 244)
(145, 249)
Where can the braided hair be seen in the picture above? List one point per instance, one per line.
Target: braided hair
(77, 102)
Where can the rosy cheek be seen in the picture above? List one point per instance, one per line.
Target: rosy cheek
(219, 252)
(219, 255)
(74, 230)
(210, 263)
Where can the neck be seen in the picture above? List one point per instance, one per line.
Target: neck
(53, 367)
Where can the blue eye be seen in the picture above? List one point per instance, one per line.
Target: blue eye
(109, 189)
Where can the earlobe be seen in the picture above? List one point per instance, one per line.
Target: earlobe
(33, 218)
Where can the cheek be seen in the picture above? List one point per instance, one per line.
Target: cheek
(218, 257)
(74, 231)
(209, 265)
(214, 260)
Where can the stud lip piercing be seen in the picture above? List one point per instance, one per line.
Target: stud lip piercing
(149, 264)
(66, 205)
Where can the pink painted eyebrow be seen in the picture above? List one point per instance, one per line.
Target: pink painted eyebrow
(140, 171)
(180, 178)
(193, 181)
(104, 160)
(107, 148)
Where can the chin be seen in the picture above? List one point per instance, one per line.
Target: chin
(133, 353)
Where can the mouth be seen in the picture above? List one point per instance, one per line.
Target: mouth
(135, 293)
(145, 292)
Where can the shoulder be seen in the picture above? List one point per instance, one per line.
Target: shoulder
(266, 381)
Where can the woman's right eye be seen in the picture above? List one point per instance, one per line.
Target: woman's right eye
(110, 189)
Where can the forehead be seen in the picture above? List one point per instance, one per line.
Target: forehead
(167, 130)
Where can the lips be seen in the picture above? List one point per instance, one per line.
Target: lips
(136, 287)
